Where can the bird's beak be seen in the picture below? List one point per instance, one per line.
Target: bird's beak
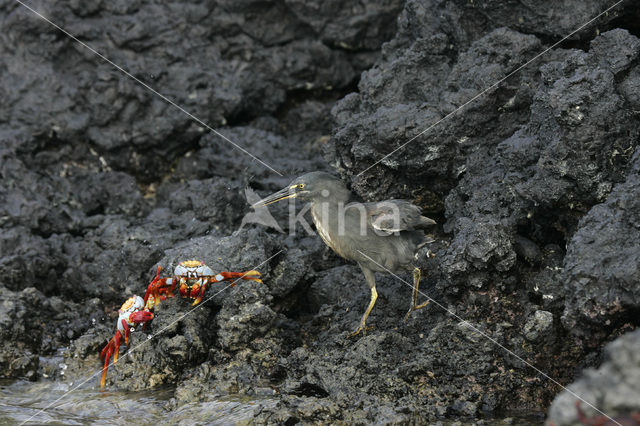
(283, 194)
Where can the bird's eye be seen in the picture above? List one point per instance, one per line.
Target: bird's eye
(301, 185)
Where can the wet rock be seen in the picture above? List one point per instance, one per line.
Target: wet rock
(350, 27)
(295, 409)
(550, 155)
(87, 182)
(216, 202)
(543, 285)
(159, 355)
(361, 374)
(527, 250)
(517, 168)
(612, 388)
(330, 289)
(34, 325)
(464, 22)
(292, 272)
(239, 328)
(538, 325)
(110, 193)
(601, 272)
(244, 67)
(478, 244)
(181, 337)
(102, 181)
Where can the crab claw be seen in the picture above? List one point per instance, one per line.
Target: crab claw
(247, 275)
(197, 301)
(201, 288)
(252, 275)
(152, 288)
(141, 317)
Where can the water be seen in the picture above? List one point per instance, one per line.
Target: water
(20, 400)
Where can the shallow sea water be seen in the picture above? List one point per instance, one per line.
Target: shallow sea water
(36, 403)
(23, 401)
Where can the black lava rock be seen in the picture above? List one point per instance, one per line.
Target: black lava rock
(534, 181)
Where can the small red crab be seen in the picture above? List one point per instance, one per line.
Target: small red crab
(191, 277)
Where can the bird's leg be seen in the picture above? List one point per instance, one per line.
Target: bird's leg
(363, 321)
(414, 304)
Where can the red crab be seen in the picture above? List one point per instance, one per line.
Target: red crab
(191, 278)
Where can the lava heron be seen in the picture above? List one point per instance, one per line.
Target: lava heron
(380, 236)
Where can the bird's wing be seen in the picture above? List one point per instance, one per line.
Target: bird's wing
(395, 216)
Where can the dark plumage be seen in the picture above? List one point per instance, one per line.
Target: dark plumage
(380, 236)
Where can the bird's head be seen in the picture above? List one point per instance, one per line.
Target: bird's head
(314, 186)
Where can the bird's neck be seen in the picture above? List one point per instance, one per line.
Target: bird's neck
(329, 206)
(336, 195)
(327, 212)
(325, 217)
(325, 209)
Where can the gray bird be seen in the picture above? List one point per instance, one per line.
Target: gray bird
(380, 236)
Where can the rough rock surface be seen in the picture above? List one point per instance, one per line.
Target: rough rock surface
(602, 265)
(614, 387)
(535, 183)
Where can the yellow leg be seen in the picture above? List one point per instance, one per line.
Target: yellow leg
(363, 321)
(414, 304)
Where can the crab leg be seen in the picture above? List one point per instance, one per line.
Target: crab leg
(222, 276)
(112, 348)
(127, 334)
(247, 275)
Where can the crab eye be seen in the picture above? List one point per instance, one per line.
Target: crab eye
(301, 185)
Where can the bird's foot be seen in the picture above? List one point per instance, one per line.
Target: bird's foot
(363, 328)
(415, 308)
